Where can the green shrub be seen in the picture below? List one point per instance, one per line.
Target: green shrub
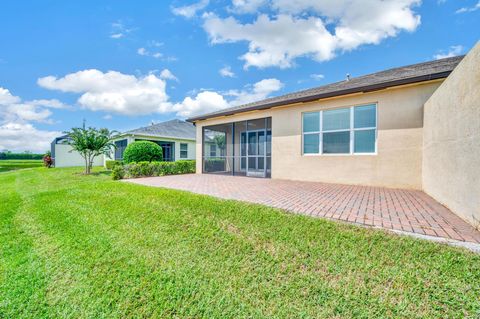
(185, 166)
(133, 170)
(111, 164)
(215, 164)
(142, 151)
(145, 169)
(118, 172)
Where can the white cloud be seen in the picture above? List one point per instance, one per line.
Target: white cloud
(26, 112)
(119, 93)
(107, 117)
(469, 9)
(7, 98)
(145, 52)
(210, 101)
(259, 91)
(454, 50)
(247, 6)
(191, 10)
(119, 30)
(113, 91)
(317, 77)
(299, 29)
(53, 103)
(167, 75)
(24, 136)
(274, 42)
(203, 102)
(16, 133)
(155, 43)
(227, 72)
(13, 109)
(117, 35)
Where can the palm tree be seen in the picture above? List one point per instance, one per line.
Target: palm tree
(90, 143)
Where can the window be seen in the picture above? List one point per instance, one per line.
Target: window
(213, 150)
(120, 147)
(183, 150)
(351, 130)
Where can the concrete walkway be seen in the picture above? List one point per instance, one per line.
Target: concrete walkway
(405, 211)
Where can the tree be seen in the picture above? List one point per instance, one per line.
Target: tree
(219, 140)
(90, 143)
(142, 151)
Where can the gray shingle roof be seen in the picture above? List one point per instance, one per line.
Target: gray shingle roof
(376, 81)
(173, 129)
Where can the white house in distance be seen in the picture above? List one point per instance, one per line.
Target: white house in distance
(175, 137)
(64, 157)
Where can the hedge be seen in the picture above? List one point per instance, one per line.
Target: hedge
(111, 164)
(20, 156)
(146, 169)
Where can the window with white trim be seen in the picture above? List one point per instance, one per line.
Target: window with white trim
(213, 150)
(183, 150)
(351, 130)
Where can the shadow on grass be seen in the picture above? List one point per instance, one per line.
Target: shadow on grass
(101, 173)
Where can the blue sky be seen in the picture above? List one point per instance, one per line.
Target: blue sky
(123, 64)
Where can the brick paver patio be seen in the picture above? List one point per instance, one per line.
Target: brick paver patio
(398, 209)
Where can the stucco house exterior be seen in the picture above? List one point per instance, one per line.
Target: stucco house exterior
(382, 129)
(176, 137)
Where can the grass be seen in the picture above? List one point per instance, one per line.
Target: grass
(75, 246)
(11, 165)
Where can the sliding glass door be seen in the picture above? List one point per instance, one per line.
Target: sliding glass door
(256, 153)
(240, 148)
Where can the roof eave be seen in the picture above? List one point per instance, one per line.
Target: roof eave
(360, 89)
(154, 136)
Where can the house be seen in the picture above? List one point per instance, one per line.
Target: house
(63, 156)
(416, 127)
(175, 137)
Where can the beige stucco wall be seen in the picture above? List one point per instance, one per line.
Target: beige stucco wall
(398, 162)
(451, 166)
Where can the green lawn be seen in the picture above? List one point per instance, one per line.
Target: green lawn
(74, 246)
(11, 165)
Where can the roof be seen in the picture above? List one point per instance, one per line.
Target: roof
(172, 129)
(409, 74)
(60, 138)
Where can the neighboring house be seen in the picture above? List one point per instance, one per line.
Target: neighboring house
(366, 130)
(176, 137)
(63, 155)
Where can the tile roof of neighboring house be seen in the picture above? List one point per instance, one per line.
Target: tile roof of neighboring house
(172, 129)
(414, 73)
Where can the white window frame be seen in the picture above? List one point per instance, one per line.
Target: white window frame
(351, 129)
(214, 151)
(186, 150)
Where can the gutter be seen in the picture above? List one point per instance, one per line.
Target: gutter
(310, 98)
